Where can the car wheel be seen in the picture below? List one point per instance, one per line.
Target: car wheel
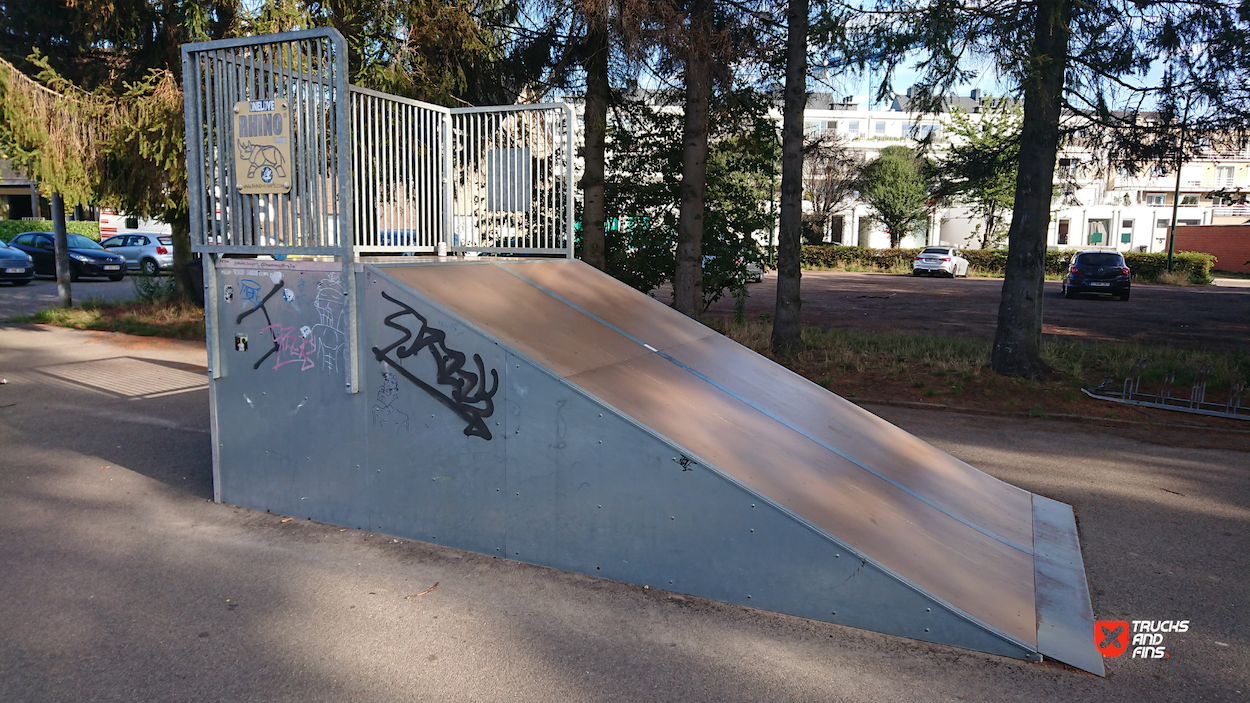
(73, 274)
(1124, 295)
(149, 267)
(118, 277)
(916, 273)
(20, 283)
(1067, 292)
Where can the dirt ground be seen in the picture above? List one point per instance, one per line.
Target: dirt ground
(1193, 316)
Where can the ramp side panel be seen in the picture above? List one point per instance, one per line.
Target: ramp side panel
(519, 315)
(288, 437)
(434, 405)
(628, 310)
(1065, 616)
(966, 568)
(982, 499)
(592, 492)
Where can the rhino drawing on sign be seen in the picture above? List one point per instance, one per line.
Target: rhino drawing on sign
(260, 156)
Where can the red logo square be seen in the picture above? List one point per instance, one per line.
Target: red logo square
(1111, 637)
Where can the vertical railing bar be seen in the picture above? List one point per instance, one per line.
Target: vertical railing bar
(409, 204)
(236, 198)
(224, 128)
(212, 165)
(324, 167)
(307, 226)
(315, 136)
(392, 158)
(356, 160)
(380, 166)
(434, 212)
(284, 67)
(249, 202)
(414, 170)
(371, 210)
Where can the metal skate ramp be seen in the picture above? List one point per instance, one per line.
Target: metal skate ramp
(937, 535)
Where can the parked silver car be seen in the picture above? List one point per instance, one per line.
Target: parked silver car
(150, 253)
(944, 261)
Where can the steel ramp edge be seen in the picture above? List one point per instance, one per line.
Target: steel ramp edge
(1065, 616)
(801, 584)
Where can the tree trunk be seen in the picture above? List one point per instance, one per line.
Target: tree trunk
(991, 221)
(1018, 339)
(60, 253)
(787, 326)
(688, 276)
(593, 206)
(181, 230)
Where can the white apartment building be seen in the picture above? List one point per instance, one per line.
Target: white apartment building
(1098, 207)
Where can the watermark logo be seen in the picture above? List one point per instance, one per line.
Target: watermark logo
(1144, 638)
(1112, 637)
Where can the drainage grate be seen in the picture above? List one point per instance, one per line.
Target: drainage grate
(130, 377)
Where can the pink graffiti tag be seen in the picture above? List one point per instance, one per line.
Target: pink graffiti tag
(291, 347)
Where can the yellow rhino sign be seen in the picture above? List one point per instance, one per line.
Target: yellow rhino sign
(262, 146)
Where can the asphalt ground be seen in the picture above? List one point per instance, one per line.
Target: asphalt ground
(41, 293)
(121, 580)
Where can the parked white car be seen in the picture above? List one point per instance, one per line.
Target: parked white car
(944, 261)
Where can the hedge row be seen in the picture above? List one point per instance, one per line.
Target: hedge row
(993, 262)
(11, 228)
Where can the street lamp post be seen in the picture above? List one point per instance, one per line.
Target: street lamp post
(1176, 193)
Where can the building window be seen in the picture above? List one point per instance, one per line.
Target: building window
(1189, 200)
(1224, 176)
(1098, 232)
(853, 126)
(1158, 171)
(881, 128)
(1126, 232)
(1162, 224)
(1063, 232)
(1154, 198)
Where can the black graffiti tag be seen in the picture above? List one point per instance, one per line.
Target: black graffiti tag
(269, 324)
(470, 397)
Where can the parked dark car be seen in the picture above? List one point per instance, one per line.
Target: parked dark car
(147, 252)
(86, 257)
(1097, 272)
(16, 266)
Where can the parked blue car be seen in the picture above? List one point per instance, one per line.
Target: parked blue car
(16, 266)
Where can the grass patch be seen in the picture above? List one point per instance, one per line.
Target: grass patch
(1173, 278)
(176, 320)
